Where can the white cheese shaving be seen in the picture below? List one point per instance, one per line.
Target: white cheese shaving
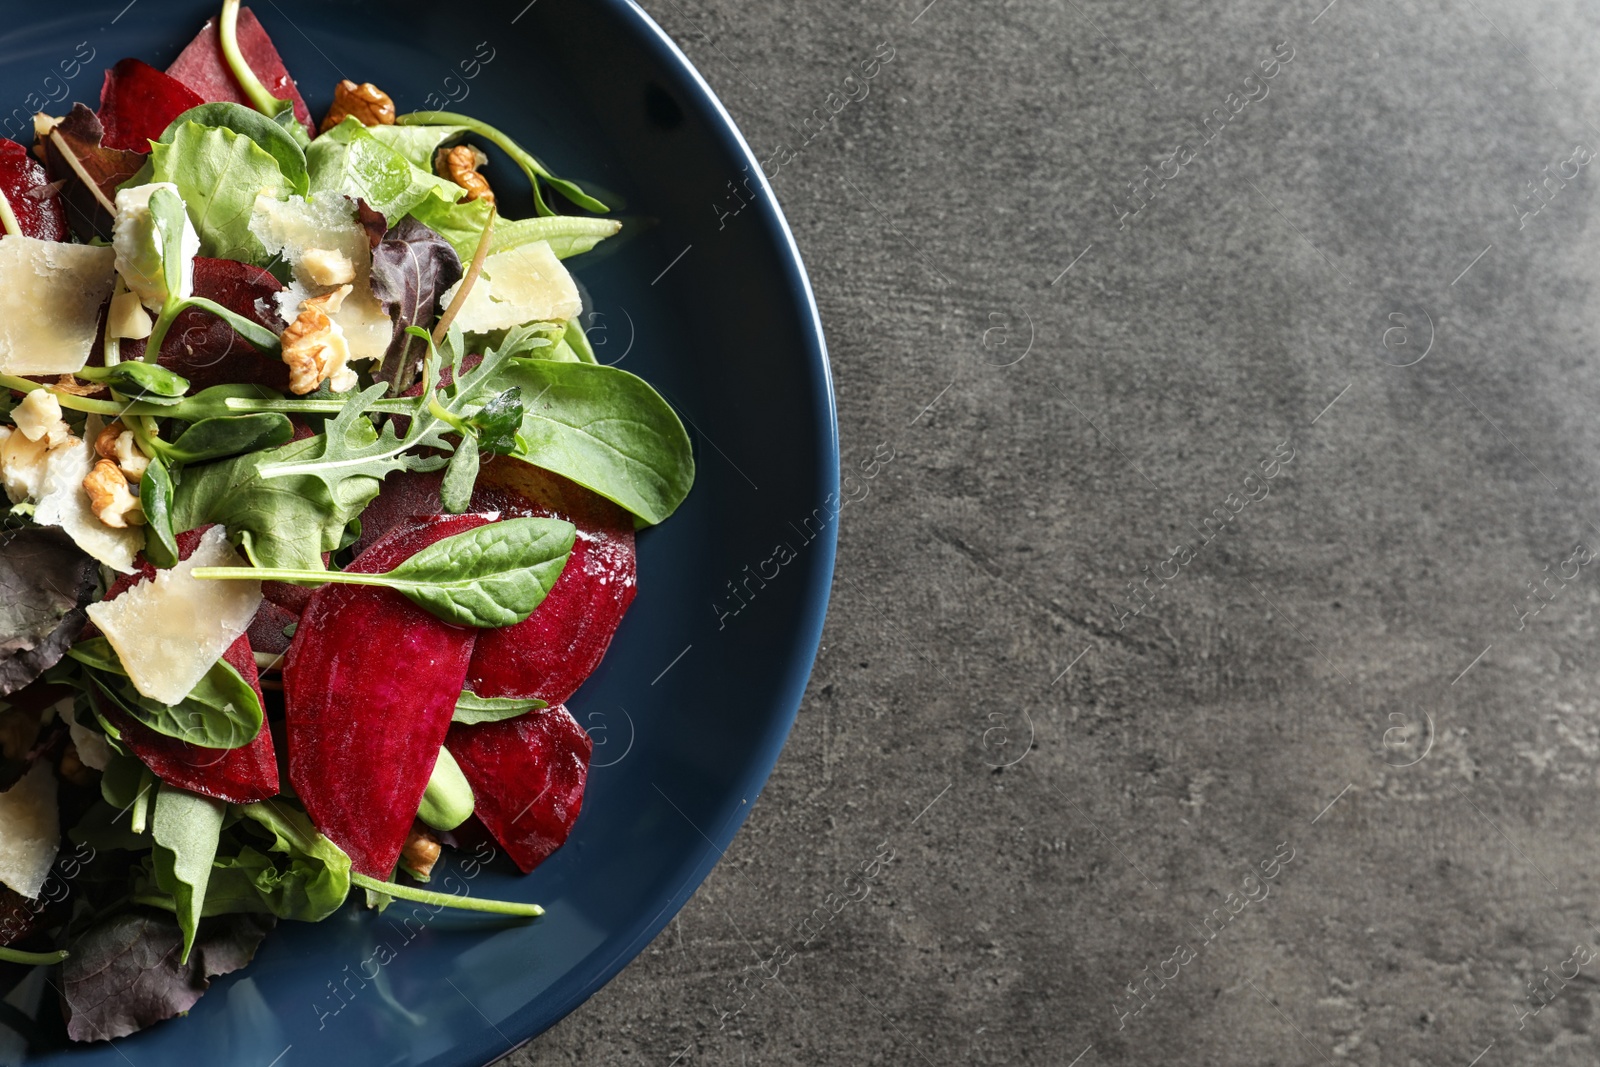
(63, 503)
(138, 247)
(525, 284)
(30, 831)
(50, 297)
(93, 751)
(170, 631)
(311, 234)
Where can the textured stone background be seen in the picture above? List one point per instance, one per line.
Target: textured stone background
(1351, 672)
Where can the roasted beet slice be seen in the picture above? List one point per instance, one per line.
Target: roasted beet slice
(238, 775)
(527, 776)
(208, 351)
(38, 208)
(202, 67)
(138, 103)
(266, 629)
(549, 654)
(370, 685)
(88, 171)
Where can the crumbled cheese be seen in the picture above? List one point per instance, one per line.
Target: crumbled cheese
(138, 247)
(30, 831)
(93, 751)
(50, 297)
(323, 266)
(170, 631)
(22, 465)
(63, 503)
(37, 415)
(525, 284)
(128, 318)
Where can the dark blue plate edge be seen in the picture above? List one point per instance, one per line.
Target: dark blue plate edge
(534, 1019)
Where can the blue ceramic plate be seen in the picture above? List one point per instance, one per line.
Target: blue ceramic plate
(696, 697)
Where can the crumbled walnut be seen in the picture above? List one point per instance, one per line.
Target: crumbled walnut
(69, 384)
(105, 446)
(324, 266)
(314, 346)
(121, 447)
(461, 165)
(72, 769)
(420, 853)
(109, 497)
(370, 105)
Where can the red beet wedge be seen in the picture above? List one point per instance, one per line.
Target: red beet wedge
(138, 103)
(208, 351)
(527, 776)
(237, 775)
(38, 208)
(549, 654)
(201, 67)
(370, 684)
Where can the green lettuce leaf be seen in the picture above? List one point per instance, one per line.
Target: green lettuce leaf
(350, 161)
(219, 174)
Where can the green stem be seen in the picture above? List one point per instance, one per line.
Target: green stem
(446, 900)
(245, 405)
(289, 574)
(67, 400)
(8, 218)
(255, 333)
(262, 100)
(521, 156)
(31, 959)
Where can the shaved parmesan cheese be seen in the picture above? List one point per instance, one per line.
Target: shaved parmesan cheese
(312, 234)
(50, 297)
(63, 503)
(30, 831)
(138, 247)
(170, 631)
(526, 284)
(93, 751)
(368, 329)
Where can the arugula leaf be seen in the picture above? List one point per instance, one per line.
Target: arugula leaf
(219, 173)
(278, 521)
(492, 575)
(472, 709)
(412, 267)
(185, 827)
(350, 161)
(569, 235)
(455, 492)
(267, 134)
(221, 712)
(605, 429)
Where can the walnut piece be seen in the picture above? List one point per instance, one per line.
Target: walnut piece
(120, 446)
(67, 383)
(370, 105)
(315, 348)
(461, 165)
(421, 852)
(109, 497)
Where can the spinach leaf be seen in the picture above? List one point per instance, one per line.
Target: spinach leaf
(223, 711)
(605, 429)
(228, 435)
(350, 161)
(185, 827)
(45, 583)
(472, 709)
(279, 522)
(569, 235)
(219, 173)
(278, 142)
(155, 498)
(412, 267)
(136, 380)
(493, 575)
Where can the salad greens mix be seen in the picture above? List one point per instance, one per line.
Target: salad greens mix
(320, 509)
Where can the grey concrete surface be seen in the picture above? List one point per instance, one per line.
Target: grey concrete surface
(1326, 791)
